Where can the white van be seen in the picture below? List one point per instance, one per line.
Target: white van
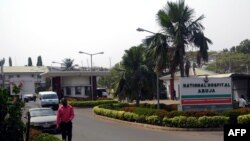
(48, 99)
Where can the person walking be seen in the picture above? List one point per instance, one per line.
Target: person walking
(65, 115)
(242, 102)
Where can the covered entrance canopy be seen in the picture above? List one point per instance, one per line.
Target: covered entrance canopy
(74, 83)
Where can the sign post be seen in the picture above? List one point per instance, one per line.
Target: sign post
(206, 93)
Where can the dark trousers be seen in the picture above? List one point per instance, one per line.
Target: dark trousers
(66, 129)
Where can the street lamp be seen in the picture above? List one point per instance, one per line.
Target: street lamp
(57, 63)
(157, 76)
(91, 79)
(144, 30)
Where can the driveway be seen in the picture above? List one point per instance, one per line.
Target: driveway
(88, 127)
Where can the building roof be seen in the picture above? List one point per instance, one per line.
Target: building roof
(25, 69)
(74, 73)
(198, 72)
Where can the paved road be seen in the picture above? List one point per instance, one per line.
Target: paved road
(88, 127)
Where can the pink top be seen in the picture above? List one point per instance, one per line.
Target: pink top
(65, 114)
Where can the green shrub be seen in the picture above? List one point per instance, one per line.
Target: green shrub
(154, 119)
(141, 119)
(194, 122)
(144, 111)
(232, 114)
(46, 137)
(244, 119)
(214, 121)
(172, 119)
(120, 115)
(87, 104)
(114, 114)
(181, 122)
(130, 116)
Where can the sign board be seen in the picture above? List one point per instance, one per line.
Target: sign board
(206, 93)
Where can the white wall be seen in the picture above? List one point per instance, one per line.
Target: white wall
(75, 81)
(28, 84)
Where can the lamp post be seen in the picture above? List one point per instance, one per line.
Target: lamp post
(91, 79)
(157, 75)
(54, 62)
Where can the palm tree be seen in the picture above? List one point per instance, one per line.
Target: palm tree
(181, 29)
(133, 76)
(68, 63)
(178, 30)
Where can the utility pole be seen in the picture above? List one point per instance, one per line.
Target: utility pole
(2, 73)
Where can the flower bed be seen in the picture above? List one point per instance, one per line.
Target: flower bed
(178, 121)
(147, 113)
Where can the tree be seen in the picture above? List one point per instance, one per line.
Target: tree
(29, 62)
(11, 125)
(133, 74)
(10, 62)
(68, 63)
(244, 47)
(39, 61)
(180, 30)
(230, 62)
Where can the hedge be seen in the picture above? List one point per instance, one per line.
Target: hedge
(244, 119)
(89, 104)
(178, 121)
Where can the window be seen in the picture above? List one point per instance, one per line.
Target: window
(18, 76)
(68, 90)
(39, 76)
(78, 90)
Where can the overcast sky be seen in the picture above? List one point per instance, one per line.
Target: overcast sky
(59, 29)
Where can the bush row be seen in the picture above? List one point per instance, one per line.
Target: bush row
(179, 121)
(196, 122)
(244, 119)
(149, 109)
(87, 104)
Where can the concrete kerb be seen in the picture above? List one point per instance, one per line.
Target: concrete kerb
(158, 127)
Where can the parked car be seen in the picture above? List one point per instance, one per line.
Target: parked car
(43, 119)
(49, 99)
(28, 97)
(101, 92)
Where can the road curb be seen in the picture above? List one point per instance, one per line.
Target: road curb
(158, 127)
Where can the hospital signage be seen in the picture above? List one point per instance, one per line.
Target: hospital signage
(206, 93)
